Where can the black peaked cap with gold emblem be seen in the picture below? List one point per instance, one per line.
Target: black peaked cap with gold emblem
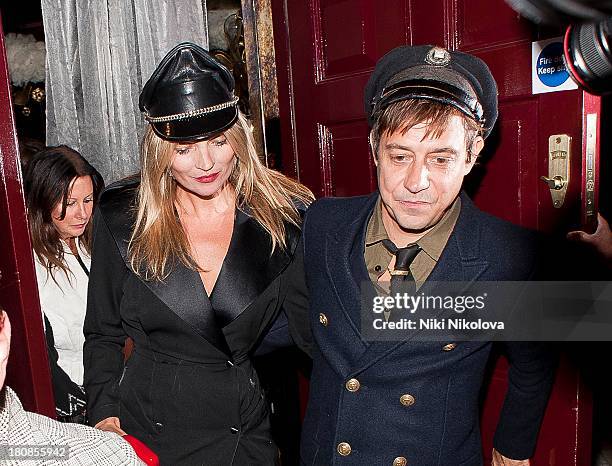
(189, 96)
(433, 73)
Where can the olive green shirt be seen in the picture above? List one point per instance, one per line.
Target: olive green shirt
(378, 258)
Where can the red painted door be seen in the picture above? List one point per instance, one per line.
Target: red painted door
(28, 368)
(325, 52)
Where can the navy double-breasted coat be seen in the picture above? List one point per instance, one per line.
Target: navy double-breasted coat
(416, 403)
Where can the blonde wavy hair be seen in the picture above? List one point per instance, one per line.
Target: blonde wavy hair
(158, 239)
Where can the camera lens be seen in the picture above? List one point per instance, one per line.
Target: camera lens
(588, 55)
(558, 12)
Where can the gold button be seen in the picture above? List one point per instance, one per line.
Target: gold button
(352, 385)
(407, 399)
(323, 319)
(400, 461)
(449, 347)
(344, 449)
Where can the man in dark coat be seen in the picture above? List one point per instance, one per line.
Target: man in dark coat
(415, 402)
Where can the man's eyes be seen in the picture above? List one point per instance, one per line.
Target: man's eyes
(441, 160)
(398, 157)
(437, 160)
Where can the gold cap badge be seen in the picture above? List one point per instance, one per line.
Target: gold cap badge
(438, 56)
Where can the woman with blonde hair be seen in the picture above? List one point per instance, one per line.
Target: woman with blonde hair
(193, 260)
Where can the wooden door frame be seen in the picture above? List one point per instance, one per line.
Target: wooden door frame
(262, 79)
(28, 368)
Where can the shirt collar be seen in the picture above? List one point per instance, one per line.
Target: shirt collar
(376, 229)
(433, 243)
(79, 245)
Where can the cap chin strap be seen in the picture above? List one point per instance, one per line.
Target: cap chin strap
(192, 113)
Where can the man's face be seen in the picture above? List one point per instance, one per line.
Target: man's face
(419, 177)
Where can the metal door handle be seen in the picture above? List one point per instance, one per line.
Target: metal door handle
(556, 182)
(558, 167)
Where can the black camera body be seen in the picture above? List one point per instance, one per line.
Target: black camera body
(588, 38)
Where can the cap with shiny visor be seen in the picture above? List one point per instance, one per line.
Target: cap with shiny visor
(433, 73)
(189, 96)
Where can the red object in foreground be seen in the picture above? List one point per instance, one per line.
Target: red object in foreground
(144, 453)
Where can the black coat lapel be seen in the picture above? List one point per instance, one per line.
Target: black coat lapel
(249, 267)
(182, 291)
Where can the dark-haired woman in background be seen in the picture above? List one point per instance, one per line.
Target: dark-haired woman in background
(61, 189)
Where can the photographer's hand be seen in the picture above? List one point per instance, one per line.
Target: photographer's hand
(601, 240)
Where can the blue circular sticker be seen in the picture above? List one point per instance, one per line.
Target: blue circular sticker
(550, 67)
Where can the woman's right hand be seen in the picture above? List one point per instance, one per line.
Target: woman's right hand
(111, 424)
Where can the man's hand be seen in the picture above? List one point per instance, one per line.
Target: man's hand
(501, 460)
(111, 424)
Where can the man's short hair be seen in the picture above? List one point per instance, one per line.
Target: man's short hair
(403, 115)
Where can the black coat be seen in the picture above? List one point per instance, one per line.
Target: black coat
(416, 402)
(189, 390)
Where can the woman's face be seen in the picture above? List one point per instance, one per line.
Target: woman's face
(203, 167)
(78, 209)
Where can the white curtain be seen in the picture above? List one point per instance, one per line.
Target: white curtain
(99, 55)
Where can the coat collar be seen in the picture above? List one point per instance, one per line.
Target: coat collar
(460, 261)
(249, 268)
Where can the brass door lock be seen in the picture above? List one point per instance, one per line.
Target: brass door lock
(558, 167)
(556, 182)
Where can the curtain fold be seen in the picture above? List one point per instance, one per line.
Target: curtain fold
(99, 55)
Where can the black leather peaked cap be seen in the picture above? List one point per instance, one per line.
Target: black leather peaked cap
(190, 96)
(433, 73)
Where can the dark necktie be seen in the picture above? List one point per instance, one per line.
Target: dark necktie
(402, 280)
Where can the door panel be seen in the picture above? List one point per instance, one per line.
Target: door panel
(565, 436)
(483, 24)
(560, 113)
(338, 145)
(347, 44)
(338, 42)
(28, 368)
(508, 161)
(510, 65)
(325, 50)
